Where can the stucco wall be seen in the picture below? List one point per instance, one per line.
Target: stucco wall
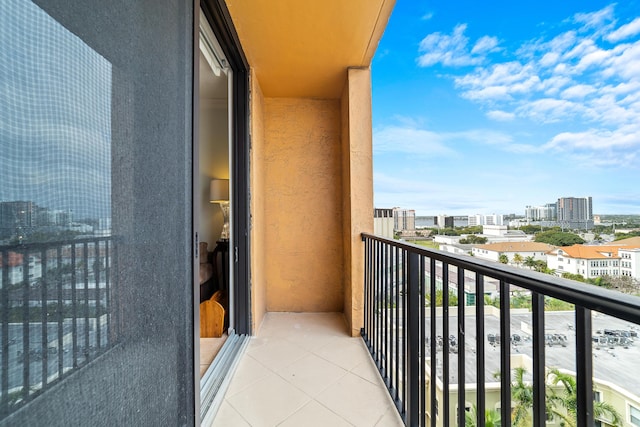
(258, 258)
(302, 187)
(357, 177)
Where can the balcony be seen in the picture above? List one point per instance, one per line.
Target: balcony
(559, 351)
(303, 369)
(57, 313)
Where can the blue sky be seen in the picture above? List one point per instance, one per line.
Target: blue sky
(486, 107)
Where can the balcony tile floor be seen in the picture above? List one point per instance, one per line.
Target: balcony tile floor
(304, 370)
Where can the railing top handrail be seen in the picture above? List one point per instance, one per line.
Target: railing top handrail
(31, 246)
(605, 301)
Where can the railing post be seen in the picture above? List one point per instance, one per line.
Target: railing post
(539, 400)
(584, 368)
(413, 337)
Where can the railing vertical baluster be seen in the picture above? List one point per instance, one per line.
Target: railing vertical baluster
(397, 328)
(413, 328)
(445, 342)
(423, 345)
(107, 288)
(385, 308)
(74, 307)
(96, 295)
(434, 351)
(480, 365)
(461, 349)
(60, 313)
(505, 355)
(45, 314)
(26, 326)
(380, 261)
(87, 343)
(395, 332)
(584, 367)
(405, 321)
(539, 407)
(4, 297)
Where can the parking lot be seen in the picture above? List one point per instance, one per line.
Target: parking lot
(616, 351)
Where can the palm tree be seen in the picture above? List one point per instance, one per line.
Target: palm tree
(504, 259)
(530, 262)
(491, 417)
(517, 259)
(569, 401)
(522, 396)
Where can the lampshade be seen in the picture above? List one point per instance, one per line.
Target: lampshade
(219, 190)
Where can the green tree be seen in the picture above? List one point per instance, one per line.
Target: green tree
(558, 238)
(576, 277)
(517, 259)
(491, 417)
(568, 399)
(530, 262)
(453, 298)
(472, 239)
(503, 258)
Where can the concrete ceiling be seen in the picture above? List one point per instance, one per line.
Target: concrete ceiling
(302, 48)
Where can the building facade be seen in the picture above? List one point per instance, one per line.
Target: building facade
(404, 220)
(546, 212)
(575, 212)
(493, 251)
(383, 222)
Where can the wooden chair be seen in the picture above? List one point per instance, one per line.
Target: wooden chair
(212, 317)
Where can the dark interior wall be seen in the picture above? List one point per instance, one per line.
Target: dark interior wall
(147, 378)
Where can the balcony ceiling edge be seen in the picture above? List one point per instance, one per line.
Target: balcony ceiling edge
(303, 48)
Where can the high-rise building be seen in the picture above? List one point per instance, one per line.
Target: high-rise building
(575, 212)
(443, 221)
(16, 218)
(492, 219)
(546, 212)
(404, 219)
(383, 222)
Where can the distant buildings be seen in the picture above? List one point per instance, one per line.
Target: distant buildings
(493, 251)
(493, 219)
(546, 212)
(575, 212)
(443, 221)
(383, 222)
(404, 220)
(621, 258)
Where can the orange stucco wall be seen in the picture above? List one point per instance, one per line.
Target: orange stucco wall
(303, 218)
(357, 183)
(257, 161)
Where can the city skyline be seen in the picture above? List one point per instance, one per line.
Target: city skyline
(482, 110)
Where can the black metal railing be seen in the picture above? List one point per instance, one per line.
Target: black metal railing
(424, 343)
(56, 311)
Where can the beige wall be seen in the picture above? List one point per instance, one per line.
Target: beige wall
(312, 197)
(257, 161)
(357, 178)
(302, 187)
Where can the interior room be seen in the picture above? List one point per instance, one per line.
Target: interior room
(213, 198)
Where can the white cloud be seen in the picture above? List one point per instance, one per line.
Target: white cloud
(451, 50)
(485, 44)
(427, 16)
(596, 20)
(577, 91)
(501, 116)
(410, 140)
(628, 30)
